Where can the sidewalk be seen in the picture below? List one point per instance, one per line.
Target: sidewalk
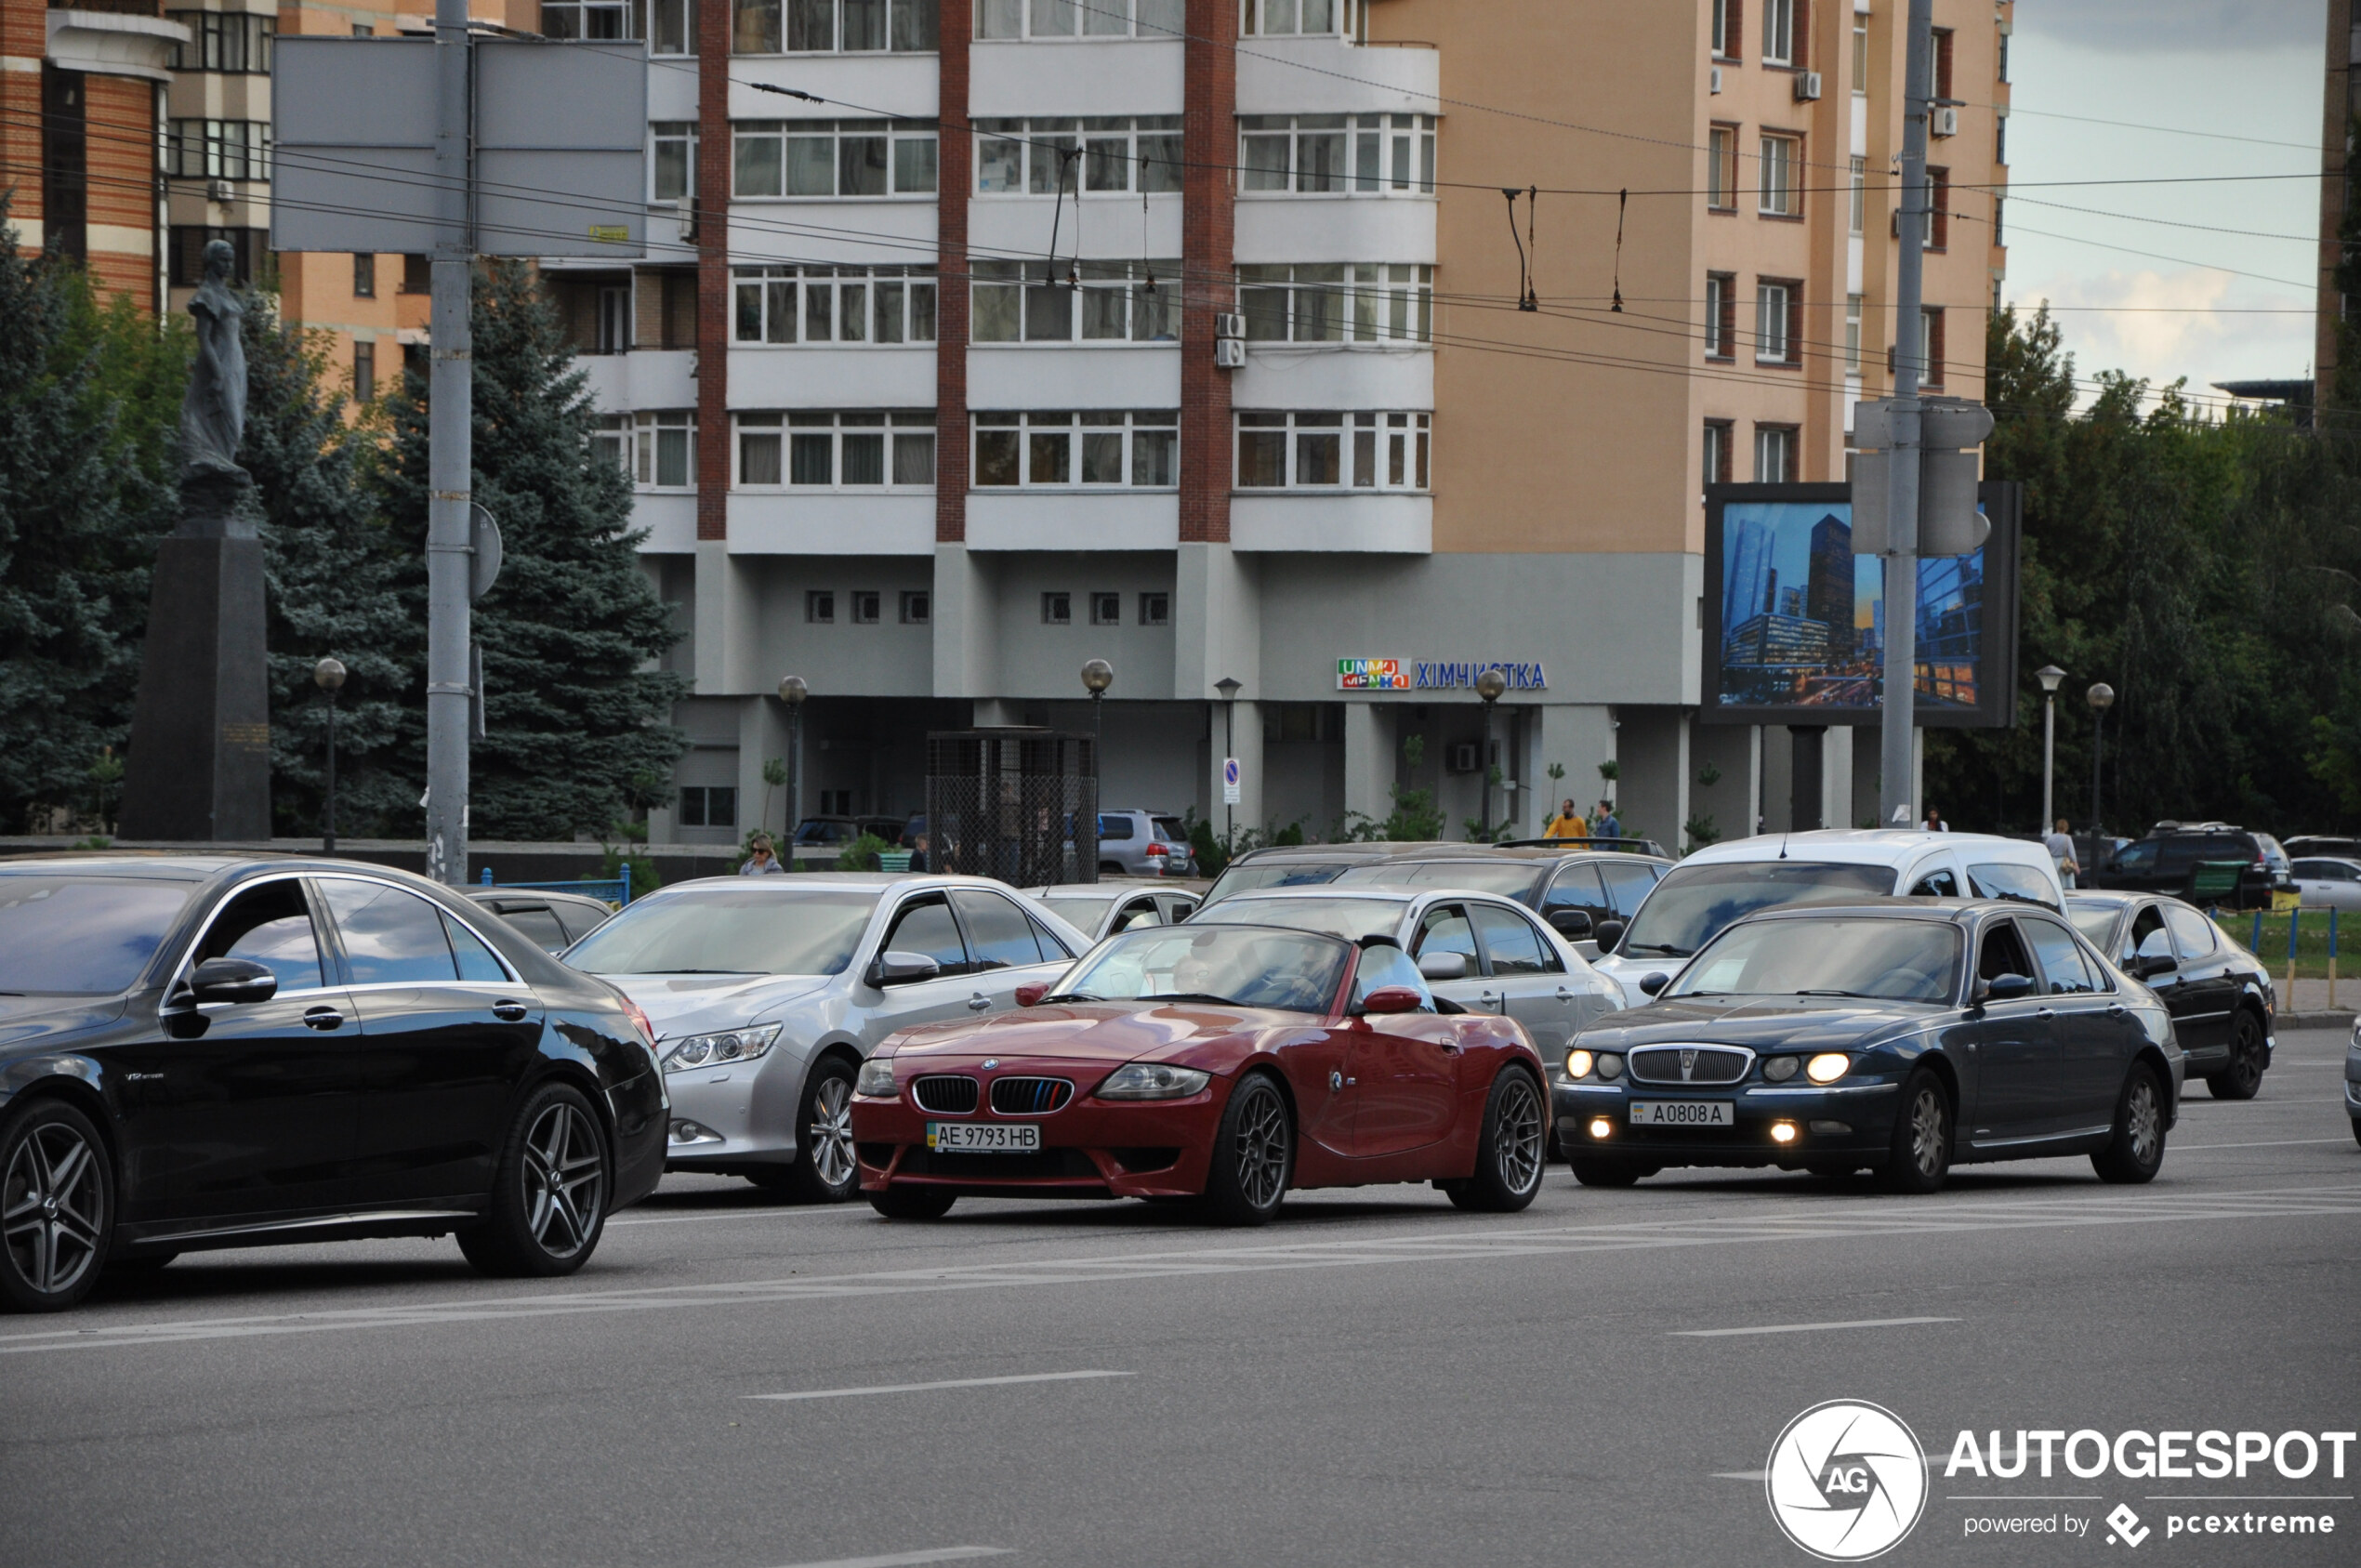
(2307, 1005)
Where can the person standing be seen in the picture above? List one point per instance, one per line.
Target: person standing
(761, 859)
(1934, 823)
(2059, 844)
(1603, 823)
(919, 853)
(1567, 824)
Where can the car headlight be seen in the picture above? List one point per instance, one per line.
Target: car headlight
(1610, 1066)
(1828, 1067)
(1780, 1068)
(877, 1078)
(1149, 1080)
(721, 1049)
(1578, 1063)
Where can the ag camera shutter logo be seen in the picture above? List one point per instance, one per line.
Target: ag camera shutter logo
(1847, 1481)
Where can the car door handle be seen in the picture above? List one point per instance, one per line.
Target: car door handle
(978, 1002)
(2116, 1010)
(2045, 1012)
(510, 1011)
(1488, 998)
(322, 1019)
(1565, 995)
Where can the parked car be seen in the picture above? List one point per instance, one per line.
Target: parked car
(1223, 1064)
(1143, 843)
(1100, 909)
(767, 993)
(1575, 887)
(202, 1051)
(1629, 845)
(1295, 865)
(553, 920)
(2336, 847)
(2325, 883)
(2352, 1080)
(1723, 882)
(1902, 1036)
(2193, 861)
(2224, 1007)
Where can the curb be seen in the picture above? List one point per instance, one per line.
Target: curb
(2341, 1019)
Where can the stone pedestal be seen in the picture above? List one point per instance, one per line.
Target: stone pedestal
(199, 763)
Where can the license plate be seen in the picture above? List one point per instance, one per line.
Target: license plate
(1681, 1113)
(985, 1138)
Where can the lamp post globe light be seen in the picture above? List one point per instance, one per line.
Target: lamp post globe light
(2101, 697)
(2050, 676)
(794, 691)
(1097, 676)
(329, 674)
(1489, 685)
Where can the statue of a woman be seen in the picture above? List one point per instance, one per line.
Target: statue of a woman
(213, 415)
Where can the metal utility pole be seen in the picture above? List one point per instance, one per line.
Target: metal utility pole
(450, 461)
(1897, 806)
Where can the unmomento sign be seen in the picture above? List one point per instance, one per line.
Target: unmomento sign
(1399, 675)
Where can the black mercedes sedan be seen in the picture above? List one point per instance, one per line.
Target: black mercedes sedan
(202, 1051)
(2224, 1008)
(1901, 1034)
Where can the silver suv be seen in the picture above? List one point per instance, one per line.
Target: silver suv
(1142, 844)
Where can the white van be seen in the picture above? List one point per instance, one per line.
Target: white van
(1719, 884)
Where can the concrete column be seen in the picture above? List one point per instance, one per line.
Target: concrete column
(1754, 781)
(995, 712)
(1247, 744)
(1807, 796)
(1216, 624)
(1837, 752)
(763, 734)
(1368, 757)
(964, 611)
(1652, 796)
(725, 622)
(1777, 757)
(1728, 751)
(1866, 763)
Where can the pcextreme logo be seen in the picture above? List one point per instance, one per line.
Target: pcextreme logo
(1847, 1481)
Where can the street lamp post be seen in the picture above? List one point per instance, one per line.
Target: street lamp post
(1489, 685)
(793, 691)
(2101, 697)
(329, 673)
(2049, 675)
(1229, 689)
(1097, 676)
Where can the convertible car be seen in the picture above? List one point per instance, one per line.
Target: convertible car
(1220, 1065)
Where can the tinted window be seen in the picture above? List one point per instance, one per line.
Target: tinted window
(81, 935)
(1171, 831)
(1937, 884)
(2192, 933)
(271, 925)
(1577, 887)
(1515, 947)
(2137, 859)
(1383, 965)
(539, 924)
(924, 925)
(2175, 855)
(1445, 929)
(391, 937)
(997, 931)
(757, 929)
(1694, 902)
(1054, 948)
(2061, 959)
(2001, 880)
(2001, 954)
(1627, 885)
(476, 962)
(1114, 827)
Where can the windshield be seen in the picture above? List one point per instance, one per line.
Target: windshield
(1082, 913)
(2093, 920)
(731, 931)
(1272, 874)
(1351, 919)
(1692, 902)
(1888, 960)
(1515, 879)
(81, 936)
(1250, 966)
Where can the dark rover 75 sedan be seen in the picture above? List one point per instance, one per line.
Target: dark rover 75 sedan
(215, 1052)
(1902, 1034)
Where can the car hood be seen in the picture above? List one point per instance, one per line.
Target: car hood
(1801, 1023)
(1109, 1032)
(38, 1021)
(679, 1004)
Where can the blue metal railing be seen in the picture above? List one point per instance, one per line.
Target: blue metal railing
(611, 890)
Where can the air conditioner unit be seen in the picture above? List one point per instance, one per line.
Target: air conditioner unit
(1462, 757)
(1229, 353)
(220, 191)
(1807, 86)
(1946, 122)
(1714, 79)
(1228, 325)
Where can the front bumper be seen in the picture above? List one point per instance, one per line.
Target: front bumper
(1853, 1120)
(1089, 1148)
(738, 1115)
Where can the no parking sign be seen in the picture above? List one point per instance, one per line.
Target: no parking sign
(1229, 781)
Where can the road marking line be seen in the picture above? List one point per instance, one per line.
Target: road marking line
(903, 1559)
(2270, 1143)
(1800, 1327)
(1742, 1475)
(952, 1383)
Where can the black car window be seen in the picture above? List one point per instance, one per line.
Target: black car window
(538, 922)
(2192, 933)
(924, 925)
(391, 937)
(1445, 929)
(271, 925)
(2001, 952)
(2136, 860)
(1627, 885)
(1936, 884)
(1577, 887)
(1114, 828)
(476, 962)
(998, 934)
(2148, 922)
(2177, 855)
(2061, 957)
(79, 934)
(1514, 947)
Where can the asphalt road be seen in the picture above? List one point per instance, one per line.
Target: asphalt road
(1375, 1379)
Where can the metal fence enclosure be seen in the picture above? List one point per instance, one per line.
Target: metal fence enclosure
(1021, 805)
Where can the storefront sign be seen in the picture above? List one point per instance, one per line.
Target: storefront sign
(1396, 674)
(1371, 675)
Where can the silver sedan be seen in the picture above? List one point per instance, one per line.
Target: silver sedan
(768, 993)
(2325, 883)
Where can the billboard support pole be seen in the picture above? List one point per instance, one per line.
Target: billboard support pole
(450, 459)
(1897, 806)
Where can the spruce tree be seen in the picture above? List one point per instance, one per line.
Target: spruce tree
(578, 721)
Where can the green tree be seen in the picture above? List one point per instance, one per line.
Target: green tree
(573, 711)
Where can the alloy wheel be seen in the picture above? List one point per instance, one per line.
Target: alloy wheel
(51, 1206)
(565, 1180)
(1517, 1136)
(2144, 1120)
(831, 1130)
(1927, 1130)
(1261, 1147)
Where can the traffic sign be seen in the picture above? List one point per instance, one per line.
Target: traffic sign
(1229, 781)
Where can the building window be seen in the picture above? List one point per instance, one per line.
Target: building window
(417, 274)
(1301, 450)
(364, 275)
(585, 19)
(917, 607)
(1720, 315)
(1106, 610)
(1774, 340)
(761, 27)
(864, 607)
(1337, 154)
(1721, 169)
(1775, 454)
(1719, 435)
(2002, 73)
(708, 806)
(1156, 609)
(672, 160)
(249, 252)
(1941, 62)
(1853, 333)
(881, 304)
(364, 370)
(667, 449)
(1337, 303)
(1105, 156)
(1722, 28)
(219, 149)
(1861, 56)
(235, 41)
(611, 442)
(1999, 141)
(1938, 209)
(1037, 302)
(1141, 449)
(823, 451)
(1273, 18)
(1080, 18)
(1782, 156)
(834, 158)
(1931, 346)
(1778, 33)
(1057, 609)
(1860, 193)
(1999, 236)
(819, 606)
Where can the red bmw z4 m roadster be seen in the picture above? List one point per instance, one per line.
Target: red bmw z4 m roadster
(1222, 1064)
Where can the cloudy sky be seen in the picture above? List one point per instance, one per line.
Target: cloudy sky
(2141, 280)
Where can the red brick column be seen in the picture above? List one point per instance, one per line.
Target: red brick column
(713, 270)
(958, 177)
(24, 38)
(1209, 130)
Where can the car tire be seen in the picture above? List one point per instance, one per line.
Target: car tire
(1606, 1173)
(912, 1203)
(1508, 1151)
(2244, 1075)
(1920, 1156)
(2136, 1152)
(548, 1192)
(57, 1190)
(2357, 1130)
(825, 1170)
(1111, 868)
(1253, 1155)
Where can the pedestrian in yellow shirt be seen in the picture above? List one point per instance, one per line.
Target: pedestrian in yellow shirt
(1568, 823)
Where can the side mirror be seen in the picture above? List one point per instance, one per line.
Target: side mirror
(1609, 932)
(2150, 965)
(900, 968)
(1029, 995)
(231, 979)
(1393, 999)
(1443, 966)
(2004, 988)
(1572, 923)
(1655, 981)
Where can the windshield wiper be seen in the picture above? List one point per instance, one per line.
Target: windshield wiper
(1192, 996)
(1661, 947)
(691, 971)
(1074, 996)
(1826, 991)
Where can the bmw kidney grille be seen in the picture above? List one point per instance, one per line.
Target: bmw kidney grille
(946, 1096)
(1029, 1097)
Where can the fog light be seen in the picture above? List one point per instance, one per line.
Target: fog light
(687, 1131)
(1783, 1132)
(1601, 1127)
(1831, 1130)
